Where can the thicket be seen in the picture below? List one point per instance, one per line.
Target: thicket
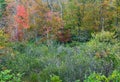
(55, 41)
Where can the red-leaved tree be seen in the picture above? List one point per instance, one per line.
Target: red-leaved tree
(21, 21)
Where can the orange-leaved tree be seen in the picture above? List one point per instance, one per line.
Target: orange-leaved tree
(21, 21)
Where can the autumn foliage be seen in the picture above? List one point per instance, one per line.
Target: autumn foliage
(22, 17)
(60, 40)
(21, 21)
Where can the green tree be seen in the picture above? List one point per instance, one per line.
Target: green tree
(2, 7)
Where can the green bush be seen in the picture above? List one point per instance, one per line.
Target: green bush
(8, 76)
(97, 77)
(55, 78)
(105, 36)
(106, 55)
(115, 76)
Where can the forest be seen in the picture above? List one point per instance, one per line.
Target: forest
(59, 40)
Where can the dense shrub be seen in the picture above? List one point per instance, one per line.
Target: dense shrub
(55, 78)
(8, 76)
(52, 42)
(105, 36)
(68, 62)
(97, 77)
